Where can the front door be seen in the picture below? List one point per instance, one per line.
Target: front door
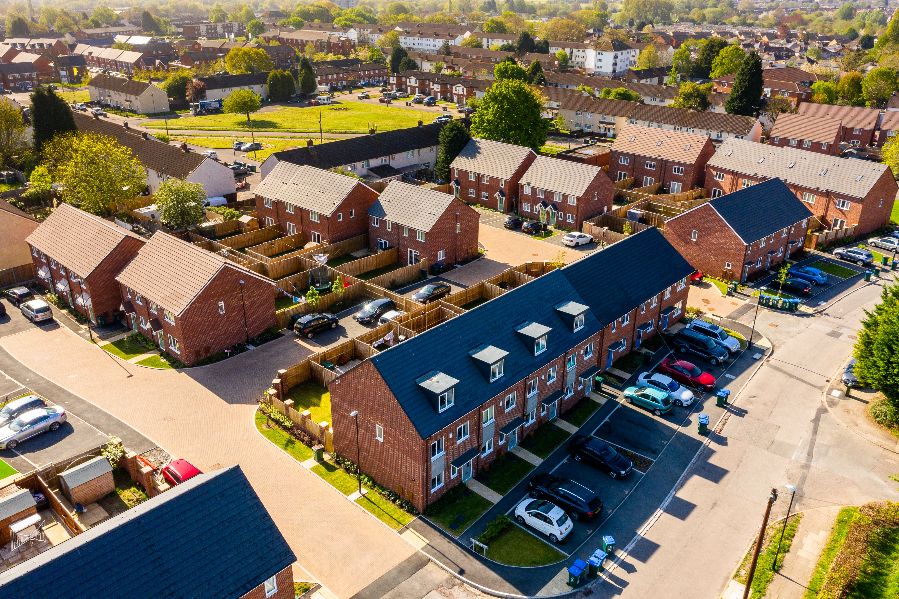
(611, 357)
(413, 256)
(466, 471)
(553, 410)
(383, 244)
(638, 338)
(159, 340)
(133, 318)
(513, 439)
(663, 322)
(500, 202)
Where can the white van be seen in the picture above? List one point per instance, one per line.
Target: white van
(323, 99)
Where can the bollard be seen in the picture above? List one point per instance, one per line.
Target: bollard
(703, 424)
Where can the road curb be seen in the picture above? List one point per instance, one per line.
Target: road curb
(869, 438)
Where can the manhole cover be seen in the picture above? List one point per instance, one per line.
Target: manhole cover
(835, 334)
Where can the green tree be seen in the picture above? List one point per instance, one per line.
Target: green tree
(255, 27)
(525, 43)
(243, 101)
(244, 14)
(878, 345)
(878, 85)
(494, 25)
(889, 154)
(306, 78)
(511, 111)
(180, 203)
(281, 85)
(151, 24)
(849, 89)
(312, 297)
(620, 93)
(562, 57)
(693, 96)
(708, 51)
(471, 42)
(50, 115)
(778, 105)
(866, 41)
(17, 26)
(175, 86)
(96, 173)
(389, 41)
(247, 60)
(103, 16)
(649, 57)
(746, 96)
(681, 62)
(824, 92)
(217, 14)
(509, 69)
(535, 73)
(397, 55)
(727, 62)
(12, 132)
(564, 30)
(452, 139)
(846, 12)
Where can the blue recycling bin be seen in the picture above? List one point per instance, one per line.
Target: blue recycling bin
(595, 563)
(721, 396)
(576, 572)
(703, 420)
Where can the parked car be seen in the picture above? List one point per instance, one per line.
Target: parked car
(432, 292)
(249, 147)
(687, 373)
(390, 316)
(794, 285)
(31, 423)
(849, 379)
(385, 99)
(809, 273)
(578, 501)
(600, 454)
(371, 311)
(418, 99)
(513, 222)
(655, 400)
(679, 394)
(179, 471)
(310, 324)
(545, 517)
(238, 170)
(36, 310)
(716, 333)
(97, 111)
(531, 227)
(430, 101)
(443, 118)
(891, 244)
(860, 256)
(575, 239)
(363, 96)
(237, 144)
(17, 295)
(211, 154)
(697, 277)
(19, 406)
(690, 341)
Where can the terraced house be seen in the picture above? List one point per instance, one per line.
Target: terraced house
(488, 172)
(564, 193)
(675, 159)
(436, 409)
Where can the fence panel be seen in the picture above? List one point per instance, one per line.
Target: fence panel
(17, 274)
(368, 263)
(250, 238)
(400, 276)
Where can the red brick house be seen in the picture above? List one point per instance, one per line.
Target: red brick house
(813, 133)
(840, 192)
(858, 123)
(322, 205)
(563, 193)
(676, 159)
(78, 255)
(784, 82)
(193, 303)
(742, 234)
(888, 128)
(432, 414)
(423, 224)
(488, 172)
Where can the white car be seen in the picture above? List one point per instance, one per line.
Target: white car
(31, 423)
(36, 310)
(679, 394)
(390, 316)
(211, 154)
(890, 244)
(545, 517)
(575, 239)
(718, 334)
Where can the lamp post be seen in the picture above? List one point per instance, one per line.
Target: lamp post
(758, 302)
(792, 490)
(758, 546)
(355, 415)
(243, 303)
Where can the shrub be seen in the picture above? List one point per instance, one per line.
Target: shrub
(113, 451)
(884, 413)
(497, 527)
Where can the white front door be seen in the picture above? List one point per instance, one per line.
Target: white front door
(466, 471)
(413, 257)
(675, 187)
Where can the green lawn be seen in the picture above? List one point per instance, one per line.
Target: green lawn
(630, 362)
(515, 547)
(834, 269)
(313, 397)
(764, 572)
(297, 450)
(6, 470)
(457, 509)
(335, 262)
(156, 362)
(879, 575)
(346, 117)
(837, 535)
(581, 412)
(543, 442)
(283, 301)
(894, 215)
(386, 511)
(127, 348)
(721, 285)
(551, 149)
(505, 472)
(337, 477)
(73, 95)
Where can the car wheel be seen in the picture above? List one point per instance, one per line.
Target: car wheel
(554, 538)
(333, 325)
(54, 426)
(12, 444)
(714, 361)
(574, 516)
(679, 403)
(657, 412)
(577, 457)
(861, 262)
(519, 519)
(613, 474)
(681, 349)
(310, 335)
(630, 400)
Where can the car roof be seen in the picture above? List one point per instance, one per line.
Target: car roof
(183, 467)
(656, 393)
(36, 303)
(662, 378)
(380, 300)
(16, 403)
(34, 413)
(683, 363)
(20, 290)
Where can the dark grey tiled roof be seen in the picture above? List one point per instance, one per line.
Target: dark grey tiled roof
(760, 210)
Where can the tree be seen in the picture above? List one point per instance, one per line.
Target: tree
(777, 105)
(849, 89)
(693, 96)
(103, 16)
(396, 57)
(175, 86)
(564, 30)
(877, 346)
(620, 93)
(389, 41)
(509, 69)
(511, 111)
(255, 27)
(746, 95)
(50, 115)
(17, 26)
(846, 12)
(281, 85)
(244, 14)
(180, 204)
(824, 92)
(151, 24)
(494, 25)
(889, 154)
(878, 85)
(866, 41)
(681, 62)
(535, 73)
(727, 62)
(708, 51)
(562, 57)
(12, 132)
(525, 43)
(247, 60)
(243, 101)
(306, 77)
(217, 14)
(95, 172)
(471, 42)
(407, 64)
(451, 140)
(195, 91)
(649, 57)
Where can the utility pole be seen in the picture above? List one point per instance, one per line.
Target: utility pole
(758, 546)
(792, 490)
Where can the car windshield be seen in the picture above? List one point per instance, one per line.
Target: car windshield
(721, 335)
(429, 289)
(607, 453)
(692, 369)
(368, 309)
(672, 386)
(543, 506)
(562, 521)
(18, 424)
(41, 309)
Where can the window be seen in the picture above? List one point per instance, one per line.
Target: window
(420, 236)
(527, 190)
(540, 194)
(651, 165)
(668, 293)
(571, 362)
(838, 223)
(677, 170)
(269, 221)
(624, 160)
(471, 177)
(579, 322)
(856, 131)
(532, 387)
(569, 389)
(532, 417)
(352, 213)
(484, 196)
(557, 196)
(487, 415)
(290, 208)
(445, 400)
(525, 207)
(462, 432)
(694, 235)
(758, 263)
(173, 345)
(719, 176)
(169, 317)
(454, 472)
(340, 217)
(728, 266)
(471, 193)
(551, 374)
(291, 228)
(316, 237)
(844, 204)
(441, 255)
(496, 370)
(267, 202)
(437, 448)
(389, 225)
(793, 142)
(485, 179)
(647, 181)
(570, 218)
(379, 432)
(509, 401)
(314, 216)
(745, 183)
(222, 308)
(572, 201)
(487, 447)
(806, 143)
(716, 193)
(436, 481)
(681, 284)
(270, 586)
(138, 299)
(588, 350)
(375, 221)
(540, 345)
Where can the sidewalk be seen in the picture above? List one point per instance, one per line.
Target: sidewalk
(799, 564)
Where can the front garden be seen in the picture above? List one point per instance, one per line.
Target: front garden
(545, 440)
(513, 546)
(457, 509)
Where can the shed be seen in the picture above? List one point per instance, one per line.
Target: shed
(87, 482)
(13, 507)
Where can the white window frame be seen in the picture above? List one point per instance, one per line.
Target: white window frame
(267, 202)
(270, 586)
(578, 322)
(463, 431)
(438, 448)
(552, 374)
(719, 176)
(420, 236)
(375, 221)
(588, 350)
(496, 370)
(842, 204)
(379, 433)
(488, 415)
(677, 170)
(314, 216)
(650, 164)
(436, 481)
(532, 387)
(222, 307)
(510, 400)
(487, 448)
(173, 345)
(446, 400)
(289, 208)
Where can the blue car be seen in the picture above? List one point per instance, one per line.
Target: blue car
(812, 275)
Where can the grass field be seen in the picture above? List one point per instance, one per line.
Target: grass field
(126, 348)
(894, 215)
(337, 477)
(544, 441)
(6, 470)
(837, 535)
(457, 509)
(505, 472)
(581, 412)
(346, 117)
(297, 450)
(834, 269)
(390, 513)
(73, 95)
(515, 547)
(156, 362)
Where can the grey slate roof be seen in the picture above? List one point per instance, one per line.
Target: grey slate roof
(130, 87)
(208, 537)
(492, 158)
(16, 503)
(812, 170)
(566, 176)
(411, 206)
(760, 210)
(86, 472)
(307, 187)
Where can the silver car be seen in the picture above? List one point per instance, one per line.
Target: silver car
(19, 406)
(36, 310)
(31, 423)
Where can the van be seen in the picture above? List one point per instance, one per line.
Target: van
(688, 340)
(323, 99)
(716, 333)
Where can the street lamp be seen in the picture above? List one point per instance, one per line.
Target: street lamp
(758, 545)
(792, 490)
(355, 415)
(758, 302)
(243, 303)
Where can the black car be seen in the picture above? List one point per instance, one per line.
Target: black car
(310, 324)
(373, 310)
(797, 285)
(573, 497)
(600, 454)
(513, 222)
(687, 340)
(432, 292)
(17, 295)
(849, 379)
(2, 310)
(531, 227)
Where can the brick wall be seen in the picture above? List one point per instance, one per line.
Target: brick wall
(473, 191)
(93, 490)
(349, 219)
(284, 579)
(663, 170)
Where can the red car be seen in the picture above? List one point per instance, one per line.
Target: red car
(687, 373)
(178, 471)
(696, 277)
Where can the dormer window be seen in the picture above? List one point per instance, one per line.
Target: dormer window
(496, 370)
(540, 345)
(579, 322)
(573, 314)
(440, 387)
(445, 400)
